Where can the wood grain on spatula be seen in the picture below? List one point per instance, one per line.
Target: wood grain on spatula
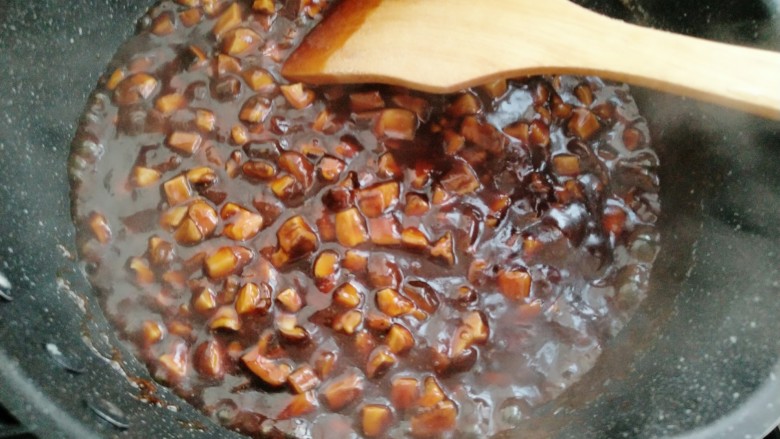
(442, 46)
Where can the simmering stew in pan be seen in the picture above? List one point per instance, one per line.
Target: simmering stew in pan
(355, 260)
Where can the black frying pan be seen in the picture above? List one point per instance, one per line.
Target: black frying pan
(701, 359)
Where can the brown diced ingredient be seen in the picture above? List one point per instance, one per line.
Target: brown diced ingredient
(201, 175)
(267, 7)
(330, 168)
(350, 228)
(135, 88)
(432, 393)
(297, 238)
(297, 95)
(482, 134)
(435, 421)
(349, 322)
(395, 123)
(404, 392)
(205, 301)
(364, 343)
(190, 17)
(443, 249)
(326, 122)
(566, 164)
(326, 270)
(273, 373)
(99, 227)
(188, 233)
(116, 77)
(460, 179)
(384, 230)
(632, 138)
(210, 360)
(297, 165)
(240, 40)
(174, 363)
(258, 79)
(414, 239)
(388, 167)
(583, 124)
(161, 253)
(378, 322)
(184, 142)
(253, 298)
(473, 330)
(375, 200)
(584, 93)
(453, 142)
(259, 169)
(300, 404)
(518, 130)
(290, 300)
(383, 271)
(255, 110)
(228, 20)
(399, 339)
(376, 419)
(239, 134)
(355, 261)
(303, 379)
(286, 187)
(416, 205)
(324, 364)
(379, 362)
(177, 190)
(169, 103)
(496, 88)
(287, 325)
(227, 64)
(226, 261)
(143, 274)
(366, 101)
(205, 120)
(226, 317)
(539, 133)
(152, 331)
(343, 391)
(614, 220)
(392, 303)
(514, 284)
(465, 104)
(418, 106)
(243, 225)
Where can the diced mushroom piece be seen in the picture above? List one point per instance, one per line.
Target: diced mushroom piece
(253, 298)
(466, 104)
(169, 103)
(416, 205)
(422, 174)
(297, 238)
(583, 123)
(243, 225)
(404, 392)
(174, 363)
(267, 7)
(142, 273)
(614, 220)
(324, 363)
(290, 300)
(460, 179)
(347, 148)
(135, 88)
(184, 142)
(201, 175)
(239, 134)
(200, 223)
(330, 168)
(297, 165)
(388, 167)
(364, 343)
(355, 261)
(473, 330)
(161, 252)
(432, 393)
(227, 64)
(303, 379)
(443, 249)
(518, 130)
(326, 227)
(343, 391)
(453, 142)
(392, 303)
(287, 325)
(514, 284)
(273, 373)
(258, 79)
(584, 94)
(326, 122)
(366, 101)
(297, 95)
(177, 190)
(483, 134)
(566, 164)
(152, 332)
(378, 322)
(188, 233)
(326, 270)
(286, 187)
(413, 239)
(228, 20)
(496, 88)
(190, 17)
(99, 227)
(539, 133)
(351, 228)
(399, 339)
(210, 360)
(241, 40)
(205, 301)
(440, 195)
(396, 123)
(348, 322)
(376, 419)
(116, 77)
(383, 271)
(384, 230)
(255, 110)
(375, 200)
(300, 404)
(205, 120)
(435, 421)
(417, 105)
(226, 317)
(259, 169)
(379, 362)
(632, 138)
(226, 261)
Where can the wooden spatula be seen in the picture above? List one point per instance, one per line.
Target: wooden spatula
(441, 46)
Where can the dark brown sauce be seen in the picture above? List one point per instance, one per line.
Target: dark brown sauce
(535, 199)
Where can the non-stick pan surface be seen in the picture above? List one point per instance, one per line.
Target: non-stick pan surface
(699, 360)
